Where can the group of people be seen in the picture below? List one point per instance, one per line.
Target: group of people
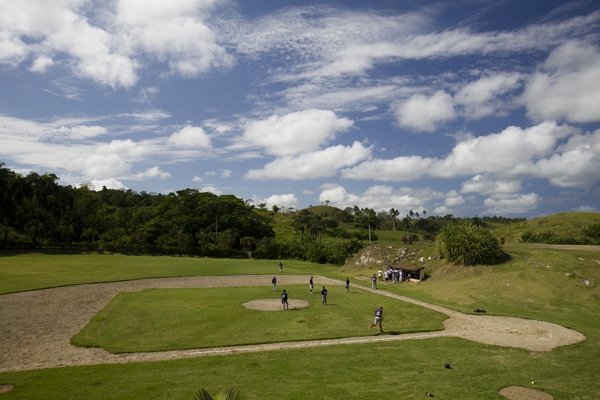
(311, 286)
(391, 275)
(378, 319)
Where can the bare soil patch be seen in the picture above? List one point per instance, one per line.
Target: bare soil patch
(274, 304)
(523, 393)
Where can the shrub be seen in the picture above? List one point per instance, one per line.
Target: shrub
(468, 244)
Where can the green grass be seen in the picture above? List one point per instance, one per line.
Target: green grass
(154, 320)
(544, 283)
(21, 272)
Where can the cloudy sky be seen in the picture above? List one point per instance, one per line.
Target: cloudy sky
(475, 107)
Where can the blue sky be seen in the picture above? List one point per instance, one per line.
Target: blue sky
(465, 107)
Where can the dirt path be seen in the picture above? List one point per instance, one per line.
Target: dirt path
(37, 326)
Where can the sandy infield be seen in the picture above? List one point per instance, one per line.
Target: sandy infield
(37, 325)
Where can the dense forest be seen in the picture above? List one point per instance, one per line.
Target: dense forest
(36, 212)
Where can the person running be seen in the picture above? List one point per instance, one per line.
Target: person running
(373, 282)
(311, 284)
(324, 296)
(284, 300)
(347, 285)
(378, 319)
(274, 283)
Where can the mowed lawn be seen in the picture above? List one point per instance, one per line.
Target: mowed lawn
(171, 319)
(534, 283)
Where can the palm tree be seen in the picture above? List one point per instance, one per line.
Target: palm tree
(227, 394)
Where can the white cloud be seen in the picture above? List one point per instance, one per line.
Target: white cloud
(190, 137)
(174, 32)
(423, 113)
(226, 173)
(502, 204)
(153, 172)
(484, 96)
(287, 200)
(507, 153)
(453, 199)
(485, 184)
(41, 64)
(567, 85)
(318, 164)
(394, 170)
(293, 133)
(379, 197)
(109, 183)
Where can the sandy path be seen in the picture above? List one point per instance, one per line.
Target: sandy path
(37, 326)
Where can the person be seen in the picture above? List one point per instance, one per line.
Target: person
(380, 274)
(274, 283)
(347, 285)
(311, 284)
(378, 319)
(324, 296)
(284, 300)
(280, 266)
(374, 282)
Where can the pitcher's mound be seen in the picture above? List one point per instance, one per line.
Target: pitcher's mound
(274, 304)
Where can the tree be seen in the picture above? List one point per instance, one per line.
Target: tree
(468, 244)
(394, 214)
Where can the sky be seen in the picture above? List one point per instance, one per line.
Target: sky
(467, 107)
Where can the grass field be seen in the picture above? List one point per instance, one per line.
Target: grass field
(539, 283)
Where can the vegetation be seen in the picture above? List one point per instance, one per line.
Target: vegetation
(468, 244)
(229, 393)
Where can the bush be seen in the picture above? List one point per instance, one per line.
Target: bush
(468, 244)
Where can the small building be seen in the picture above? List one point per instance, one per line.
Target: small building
(410, 271)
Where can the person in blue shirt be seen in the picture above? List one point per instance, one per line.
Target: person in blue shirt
(274, 283)
(378, 319)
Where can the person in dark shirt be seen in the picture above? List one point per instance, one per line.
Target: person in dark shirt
(324, 296)
(284, 300)
(274, 283)
(347, 285)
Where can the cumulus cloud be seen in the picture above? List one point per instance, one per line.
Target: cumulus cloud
(500, 204)
(379, 197)
(483, 97)
(423, 113)
(152, 172)
(485, 184)
(567, 85)
(312, 165)
(109, 45)
(293, 133)
(190, 136)
(287, 200)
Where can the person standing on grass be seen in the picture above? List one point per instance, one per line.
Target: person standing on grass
(311, 284)
(378, 319)
(324, 296)
(274, 283)
(284, 300)
(347, 285)
(373, 282)
(280, 266)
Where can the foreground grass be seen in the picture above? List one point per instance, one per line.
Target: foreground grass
(540, 283)
(154, 320)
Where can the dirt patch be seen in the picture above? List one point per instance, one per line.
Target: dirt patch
(523, 393)
(274, 304)
(6, 388)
